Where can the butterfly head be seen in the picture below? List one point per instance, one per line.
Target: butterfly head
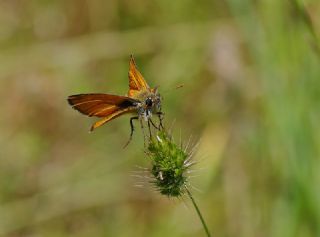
(150, 104)
(153, 102)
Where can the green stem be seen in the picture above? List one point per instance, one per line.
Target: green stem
(198, 212)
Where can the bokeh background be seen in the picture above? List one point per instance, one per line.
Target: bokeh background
(251, 75)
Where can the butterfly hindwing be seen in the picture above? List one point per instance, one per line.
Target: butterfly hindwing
(109, 118)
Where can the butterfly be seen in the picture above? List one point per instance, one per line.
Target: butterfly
(140, 100)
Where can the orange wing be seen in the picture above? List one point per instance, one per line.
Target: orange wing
(136, 80)
(102, 105)
(109, 118)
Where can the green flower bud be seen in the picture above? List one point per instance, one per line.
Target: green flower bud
(169, 165)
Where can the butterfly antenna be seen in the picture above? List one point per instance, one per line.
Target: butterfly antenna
(174, 88)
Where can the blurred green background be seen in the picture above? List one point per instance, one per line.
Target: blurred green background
(251, 75)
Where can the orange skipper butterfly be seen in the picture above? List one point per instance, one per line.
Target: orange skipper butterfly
(141, 100)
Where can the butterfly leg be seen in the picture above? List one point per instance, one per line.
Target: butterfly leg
(142, 128)
(153, 124)
(150, 128)
(132, 129)
(160, 116)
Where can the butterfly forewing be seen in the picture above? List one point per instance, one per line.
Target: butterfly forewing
(136, 80)
(100, 105)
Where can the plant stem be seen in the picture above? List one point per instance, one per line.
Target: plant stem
(198, 212)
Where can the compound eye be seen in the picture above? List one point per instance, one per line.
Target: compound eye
(149, 102)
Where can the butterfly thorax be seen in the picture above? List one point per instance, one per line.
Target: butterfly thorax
(149, 103)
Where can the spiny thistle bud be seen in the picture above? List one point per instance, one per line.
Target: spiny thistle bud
(169, 165)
